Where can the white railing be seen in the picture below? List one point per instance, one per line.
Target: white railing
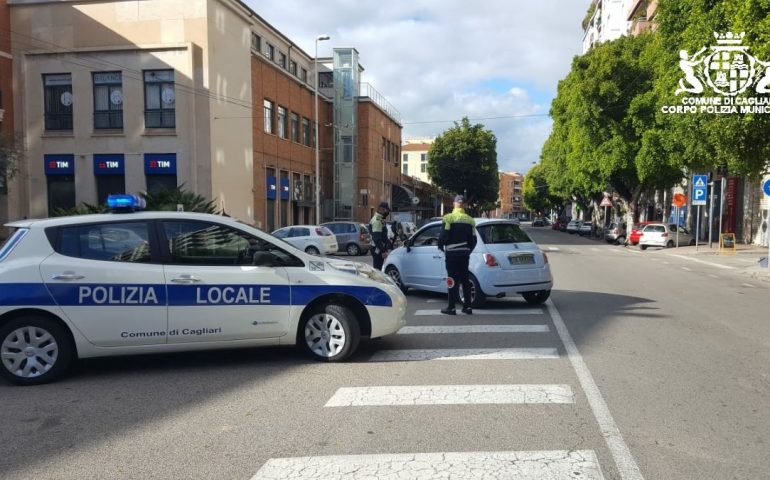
(367, 90)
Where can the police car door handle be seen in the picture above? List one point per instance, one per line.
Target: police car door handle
(187, 279)
(67, 276)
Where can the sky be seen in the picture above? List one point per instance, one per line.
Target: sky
(439, 60)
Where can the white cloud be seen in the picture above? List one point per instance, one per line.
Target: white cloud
(437, 61)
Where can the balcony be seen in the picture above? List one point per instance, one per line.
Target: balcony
(643, 8)
(641, 25)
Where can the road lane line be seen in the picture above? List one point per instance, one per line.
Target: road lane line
(431, 329)
(451, 395)
(624, 460)
(553, 249)
(685, 257)
(686, 269)
(417, 355)
(748, 285)
(520, 465)
(528, 311)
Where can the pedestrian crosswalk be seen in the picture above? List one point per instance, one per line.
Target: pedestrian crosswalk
(427, 328)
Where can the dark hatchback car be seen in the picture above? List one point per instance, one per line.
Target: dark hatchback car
(352, 237)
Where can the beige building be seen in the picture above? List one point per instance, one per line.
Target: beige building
(414, 158)
(116, 96)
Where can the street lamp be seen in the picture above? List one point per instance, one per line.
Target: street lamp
(319, 38)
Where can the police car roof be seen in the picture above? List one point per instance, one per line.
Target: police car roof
(111, 217)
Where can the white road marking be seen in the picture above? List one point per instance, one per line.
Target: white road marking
(685, 257)
(631, 250)
(712, 275)
(625, 462)
(465, 354)
(553, 249)
(748, 285)
(451, 395)
(430, 329)
(528, 311)
(533, 465)
(687, 269)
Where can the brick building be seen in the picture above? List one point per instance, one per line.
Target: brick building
(6, 102)
(511, 201)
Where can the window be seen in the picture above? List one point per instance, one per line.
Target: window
(282, 122)
(423, 163)
(284, 184)
(256, 42)
(159, 99)
(423, 168)
(303, 77)
(305, 131)
(268, 113)
(282, 59)
(269, 51)
(314, 137)
(270, 193)
(294, 127)
(299, 232)
(160, 171)
(502, 233)
(108, 100)
(293, 67)
(325, 80)
(3, 183)
(405, 168)
(202, 243)
(58, 101)
(160, 183)
(109, 170)
(114, 242)
(405, 157)
(427, 237)
(282, 233)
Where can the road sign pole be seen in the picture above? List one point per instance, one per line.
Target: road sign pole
(677, 227)
(697, 230)
(768, 235)
(711, 214)
(721, 205)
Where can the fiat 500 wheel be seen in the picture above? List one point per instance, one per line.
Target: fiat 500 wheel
(395, 275)
(330, 333)
(34, 350)
(478, 299)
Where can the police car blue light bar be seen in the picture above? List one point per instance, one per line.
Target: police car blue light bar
(125, 202)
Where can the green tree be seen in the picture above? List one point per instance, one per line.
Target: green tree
(167, 200)
(706, 141)
(536, 192)
(11, 155)
(463, 159)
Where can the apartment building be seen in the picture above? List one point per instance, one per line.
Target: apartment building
(414, 161)
(510, 199)
(641, 15)
(606, 20)
(125, 96)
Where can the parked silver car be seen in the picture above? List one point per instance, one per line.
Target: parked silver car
(616, 233)
(585, 227)
(352, 237)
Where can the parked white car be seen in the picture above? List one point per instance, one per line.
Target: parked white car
(505, 262)
(664, 236)
(312, 239)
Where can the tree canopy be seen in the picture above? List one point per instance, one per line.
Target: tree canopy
(463, 160)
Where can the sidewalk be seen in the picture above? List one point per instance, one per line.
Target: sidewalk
(745, 258)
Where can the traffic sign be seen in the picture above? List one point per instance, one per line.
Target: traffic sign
(679, 200)
(766, 187)
(699, 189)
(606, 202)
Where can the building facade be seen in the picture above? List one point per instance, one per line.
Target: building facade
(641, 15)
(7, 134)
(133, 96)
(510, 200)
(414, 160)
(608, 21)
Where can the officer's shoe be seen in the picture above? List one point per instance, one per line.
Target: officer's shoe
(468, 310)
(449, 311)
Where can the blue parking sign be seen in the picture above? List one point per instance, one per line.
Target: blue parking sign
(699, 189)
(766, 187)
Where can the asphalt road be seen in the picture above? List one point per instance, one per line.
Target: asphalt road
(662, 373)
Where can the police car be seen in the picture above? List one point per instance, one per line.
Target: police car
(150, 282)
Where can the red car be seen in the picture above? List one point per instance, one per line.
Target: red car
(556, 224)
(636, 232)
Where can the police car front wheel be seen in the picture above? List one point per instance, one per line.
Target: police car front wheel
(330, 333)
(33, 350)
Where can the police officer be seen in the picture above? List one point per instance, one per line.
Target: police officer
(379, 233)
(457, 240)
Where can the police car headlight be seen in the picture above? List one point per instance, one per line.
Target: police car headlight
(363, 270)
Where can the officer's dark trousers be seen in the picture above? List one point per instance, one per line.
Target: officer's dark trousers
(457, 270)
(376, 259)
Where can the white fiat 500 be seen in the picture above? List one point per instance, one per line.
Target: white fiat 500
(505, 262)
(150, 282)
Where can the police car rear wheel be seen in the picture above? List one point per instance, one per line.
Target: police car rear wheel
(331, 333)
(34, 350)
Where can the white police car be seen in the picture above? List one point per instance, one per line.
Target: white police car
(150, 282)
